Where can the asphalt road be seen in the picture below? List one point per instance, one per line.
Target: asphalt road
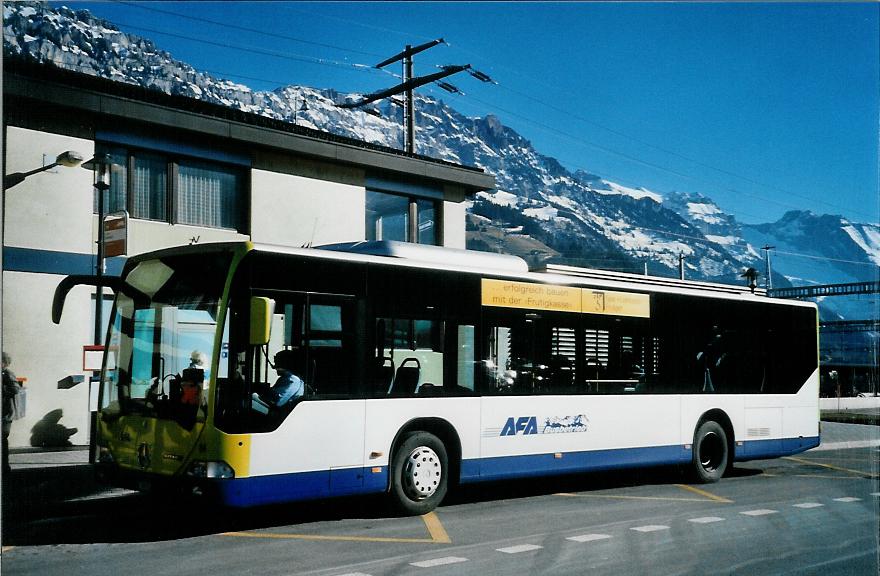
(809, 514)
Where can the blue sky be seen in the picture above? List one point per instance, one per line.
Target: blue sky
(763, 107)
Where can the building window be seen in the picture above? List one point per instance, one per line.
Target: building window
(393, 217)
(208, 195)
(426, 212)
(166, 188)
(149, 187)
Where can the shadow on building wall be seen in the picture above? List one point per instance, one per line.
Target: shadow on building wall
(50, 433)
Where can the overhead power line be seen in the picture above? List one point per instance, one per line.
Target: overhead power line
(264, 32)
(573, 114)
(254, 50)
(362, 67)
(637, 160)
(824, 258)
(452, 89)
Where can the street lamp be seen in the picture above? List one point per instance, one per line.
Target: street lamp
(68, 159)
(100, 166)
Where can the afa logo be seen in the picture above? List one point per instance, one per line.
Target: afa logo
(524, 424)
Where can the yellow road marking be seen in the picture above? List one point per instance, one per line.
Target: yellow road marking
(615, 497)
(326, 538)
(705, 494)
(436, 532)
(436, 529)
(6, 548)
(830, 467)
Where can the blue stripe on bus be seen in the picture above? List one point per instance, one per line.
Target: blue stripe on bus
(757, 449)
(594, 460)
(261, 490)
(277, 488)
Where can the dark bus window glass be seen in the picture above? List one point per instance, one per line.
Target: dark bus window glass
(730, 347)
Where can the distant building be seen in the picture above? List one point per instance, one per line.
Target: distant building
(850, 357)
(185, 171)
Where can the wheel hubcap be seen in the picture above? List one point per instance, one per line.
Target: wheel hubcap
(422, 473)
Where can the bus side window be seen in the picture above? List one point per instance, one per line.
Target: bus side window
(409, 357)
(499, 377)
(465, 359)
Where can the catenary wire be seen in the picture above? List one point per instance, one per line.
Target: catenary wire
(260, 51)
(152, 8)
(521, 94)
(701, 240)
(616, 132)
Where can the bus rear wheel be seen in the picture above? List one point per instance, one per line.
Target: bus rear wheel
(710, 452)
(419, 473)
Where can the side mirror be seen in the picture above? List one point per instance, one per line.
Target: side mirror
(261, 320)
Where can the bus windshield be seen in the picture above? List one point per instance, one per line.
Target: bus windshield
(162, 337)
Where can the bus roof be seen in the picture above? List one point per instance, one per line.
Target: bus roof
(422, 256)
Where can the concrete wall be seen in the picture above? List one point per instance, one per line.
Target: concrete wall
(51, 210)
(292, 210)
(144, 236)
(48, 211)
(849, 404)
(454, 224)
(44, 352)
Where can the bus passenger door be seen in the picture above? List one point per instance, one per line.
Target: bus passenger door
(323, 430)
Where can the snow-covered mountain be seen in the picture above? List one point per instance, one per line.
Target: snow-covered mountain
(540, 210)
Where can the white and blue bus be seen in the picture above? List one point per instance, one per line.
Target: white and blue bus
(426, 367)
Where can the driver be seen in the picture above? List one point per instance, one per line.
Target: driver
(288, 385)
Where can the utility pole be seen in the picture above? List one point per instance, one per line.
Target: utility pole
(410, 83)
(768, 282)
(681, 258)
(410, 104)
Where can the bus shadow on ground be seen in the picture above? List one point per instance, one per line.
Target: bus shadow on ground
(580, 482)
(137, 517)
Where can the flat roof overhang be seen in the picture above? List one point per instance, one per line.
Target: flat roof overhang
(372, 158)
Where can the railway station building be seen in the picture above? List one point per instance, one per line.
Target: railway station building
(183, 171)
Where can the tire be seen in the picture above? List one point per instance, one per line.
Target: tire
(419, 474)
(711, 452)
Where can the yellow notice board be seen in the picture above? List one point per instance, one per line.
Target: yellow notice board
(509, 294)
(616, 303)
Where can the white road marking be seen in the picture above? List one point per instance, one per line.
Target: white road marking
(589, 537)
(808, 505)
(760, 512)
(706, 520)
(848, 499)
(875, 493)
(520, 548)
(650, 528)
(354, 574)
(438, 562)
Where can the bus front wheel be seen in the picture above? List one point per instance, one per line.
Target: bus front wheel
(419, 473)
(710, 452)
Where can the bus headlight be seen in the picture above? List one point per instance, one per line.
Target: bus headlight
(210, 470)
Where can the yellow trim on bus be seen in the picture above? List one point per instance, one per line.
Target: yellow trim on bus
(234, 449)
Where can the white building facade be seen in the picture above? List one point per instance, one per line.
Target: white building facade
(185, 172)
